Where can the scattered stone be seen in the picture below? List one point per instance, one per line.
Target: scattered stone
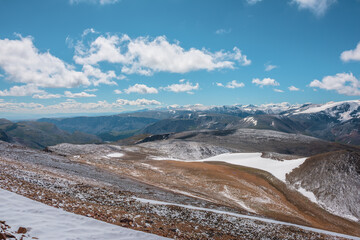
(22, 230)
(126, 220)
(2, 236)
(9, 235)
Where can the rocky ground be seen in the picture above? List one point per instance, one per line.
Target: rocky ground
(7, 232)
(91, 183)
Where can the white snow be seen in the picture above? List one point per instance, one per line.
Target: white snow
(251, 120)
(148, 201)
(51, 223)
(254, 160)
(115, 155)
(310, 195)
(344, 116)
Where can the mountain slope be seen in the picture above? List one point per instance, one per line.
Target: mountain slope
(334, 178)
(41, 134)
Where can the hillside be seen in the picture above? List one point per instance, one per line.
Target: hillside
(334, 179)
(41, 134)
(335, 121)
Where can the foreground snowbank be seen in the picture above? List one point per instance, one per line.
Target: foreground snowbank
(52, 223)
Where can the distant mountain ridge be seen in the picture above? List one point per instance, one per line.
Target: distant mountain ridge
(333, 121)
(40, 134)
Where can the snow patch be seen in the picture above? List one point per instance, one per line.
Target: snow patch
(51, 223)
(251, 120)
(254, 160)
(310, 195)
(115, 155)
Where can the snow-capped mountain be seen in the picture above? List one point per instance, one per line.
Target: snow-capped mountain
(342, 111)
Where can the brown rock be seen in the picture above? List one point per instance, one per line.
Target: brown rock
(126, 220)
(9, 235)
(22, 230)
(2, 236)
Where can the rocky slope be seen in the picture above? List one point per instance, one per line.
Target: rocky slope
(334, 179)
(112, 189)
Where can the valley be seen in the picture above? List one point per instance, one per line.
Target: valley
(239, 183)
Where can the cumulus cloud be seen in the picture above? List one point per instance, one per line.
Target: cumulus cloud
(137, 102)
(145, 56)
(117, 91)
(98, 77)
(343, 83)
(141, 88)
(232, 84)
(182, 87)
(91, 90)
(278, 90)
(72, 106)
(46, 96)
(265, 82)
(78, 95)
(318, 7)
(293, 88)
(269, 67)
(23, 63)
(351, 55)
(101, 2)
(20, 91)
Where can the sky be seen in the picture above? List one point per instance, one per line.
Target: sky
(94, 57)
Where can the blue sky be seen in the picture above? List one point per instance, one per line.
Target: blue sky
(81, 57)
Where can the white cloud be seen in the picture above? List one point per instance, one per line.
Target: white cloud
(78, 95)
(182, 87)
(145, 56)
(137, 102)
(101, 2)
(351, 55)
(232, 84)
(20, 91)
(265, 82)
(278, 90)
(91, 90)
(88, 31)
(102, 49)
(343, 83)
(72, 106)
(97, 76)
(222, 31)
(23, 63)
(269, 67)
(141, 88)
(117, 91)
(252, 2)
(46, 96)
(318, 7)
(293, 88)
